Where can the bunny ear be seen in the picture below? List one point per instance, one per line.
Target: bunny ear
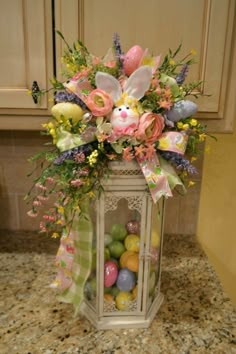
(109, 84)
(138, 83)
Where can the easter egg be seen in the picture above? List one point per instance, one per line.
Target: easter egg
(114, 291)
(181, 110)
(118, 232)
(132, 59)
(132, 262)
(124, 257)
(154, 255)
(67, 110)
(132, 227)
(125, 280)
(132, 243)
(123, 300)
(155, 239)
(135, 292)
(110, 273)
(152, 283)
(116, 249)
(106, 254)
(107, 239)
(108, 297)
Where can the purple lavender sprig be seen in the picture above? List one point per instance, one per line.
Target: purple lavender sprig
(182, 74)
(178, 161)
(117, 47)
(70, 154)
(63, 96)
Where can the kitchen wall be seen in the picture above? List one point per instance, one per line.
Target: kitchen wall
(17, 146)
(217, 213)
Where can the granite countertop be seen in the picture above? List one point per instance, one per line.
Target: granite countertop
(196, 317)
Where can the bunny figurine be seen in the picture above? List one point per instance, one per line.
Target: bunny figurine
(125, 117)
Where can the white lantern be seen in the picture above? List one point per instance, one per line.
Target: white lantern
(123, 290)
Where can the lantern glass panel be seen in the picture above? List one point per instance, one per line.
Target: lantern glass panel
(154, 252)
(90, 290)
(122, 243)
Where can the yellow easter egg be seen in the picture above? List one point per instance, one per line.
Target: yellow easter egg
(135, 292)
(155, 239)
(123, 300)
(67, 110)
(132, 243)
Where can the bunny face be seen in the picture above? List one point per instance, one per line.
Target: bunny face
(124, 116)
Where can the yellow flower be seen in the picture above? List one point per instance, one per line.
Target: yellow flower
(193, 158)
(193, 122)
(50, 125)
(202, 137)
(207, 149)
(185, 126)
(59, 222)
(180, 125)
(193, 51)
(91, 194)
(29, 92)
(171, 62)
(60, 210)
(191, 183)
(52, 132)
(55, 235)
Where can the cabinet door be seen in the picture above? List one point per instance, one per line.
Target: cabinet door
(208, 26)
(26, 56)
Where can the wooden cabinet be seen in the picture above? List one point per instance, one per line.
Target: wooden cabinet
(208, 26)
(26, 55)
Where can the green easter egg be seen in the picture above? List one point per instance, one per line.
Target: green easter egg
(118, 232)
(116, 249)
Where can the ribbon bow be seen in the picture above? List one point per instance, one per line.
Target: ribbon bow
(160, 176)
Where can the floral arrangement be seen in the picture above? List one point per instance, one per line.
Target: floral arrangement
(129, 106)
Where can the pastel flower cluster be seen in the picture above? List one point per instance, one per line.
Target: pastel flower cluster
(131, 106)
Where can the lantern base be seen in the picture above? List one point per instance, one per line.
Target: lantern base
(131, 321)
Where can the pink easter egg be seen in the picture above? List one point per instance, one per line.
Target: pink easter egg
(110, 273)
(132, 59)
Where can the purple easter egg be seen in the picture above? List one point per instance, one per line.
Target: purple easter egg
(110, 273)
(181, 110)
(132, 227)
(125, 280)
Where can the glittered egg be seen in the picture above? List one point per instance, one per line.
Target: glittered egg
(110, 273)
(132, 227)
(181, 110)
(125, 280)
(132, 59)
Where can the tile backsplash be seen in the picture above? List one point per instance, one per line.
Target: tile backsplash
(16, 147)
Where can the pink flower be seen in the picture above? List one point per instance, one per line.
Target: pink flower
(127, 154)
(77, 183)
(150, 127)
(99, 102)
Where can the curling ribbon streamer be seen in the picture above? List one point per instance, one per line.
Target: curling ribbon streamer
(72, 276)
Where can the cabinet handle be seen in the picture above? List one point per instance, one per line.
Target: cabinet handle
(35, 92)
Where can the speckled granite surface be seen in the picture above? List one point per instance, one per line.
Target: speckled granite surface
(196, 317)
